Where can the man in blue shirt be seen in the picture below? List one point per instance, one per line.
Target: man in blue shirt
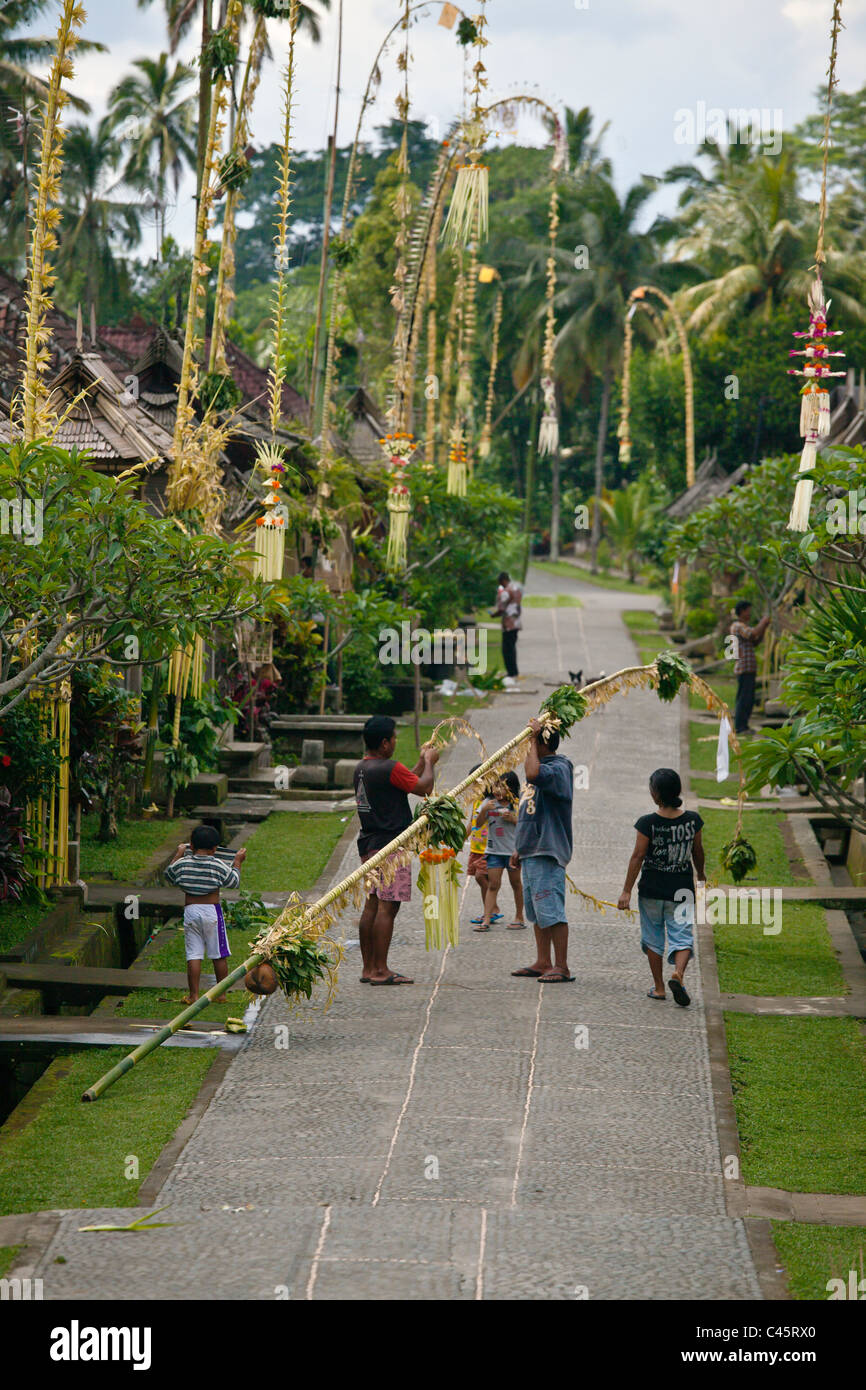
(544, 847)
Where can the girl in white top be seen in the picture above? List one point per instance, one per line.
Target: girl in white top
(499, 814)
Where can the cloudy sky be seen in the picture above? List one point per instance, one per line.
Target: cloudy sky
(639, 64)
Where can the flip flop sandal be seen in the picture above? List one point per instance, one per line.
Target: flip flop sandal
(497, 916)
(475, 920)
(364, 980)
(393, 980)
(517, 926)
(487, 928)
(678, 990)
(528, 972)
(659, 998)
(556, 977)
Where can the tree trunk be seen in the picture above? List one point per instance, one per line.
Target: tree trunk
(152, 733)
(554, 505)
(607, 380)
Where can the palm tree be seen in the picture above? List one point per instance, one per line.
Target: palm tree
(21, 92)
(591, 296)
(155, 107)
(628, 517)
(751, 237)
(94, 222)
(180, 16)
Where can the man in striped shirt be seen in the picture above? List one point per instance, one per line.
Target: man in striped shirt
(746, 639)
(201, 873)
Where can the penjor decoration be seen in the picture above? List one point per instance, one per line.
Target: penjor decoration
(398, 449)
(270, 542)
(457, 464)
(468, 215)
(548, 434)
(487, 432)
(815, 396)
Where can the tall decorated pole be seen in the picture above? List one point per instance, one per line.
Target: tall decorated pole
(815, 349)
(487, 431)
(33, 413)
(439, 823)
(270, 540)
(468, 213)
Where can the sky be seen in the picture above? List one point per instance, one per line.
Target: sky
(653, 69)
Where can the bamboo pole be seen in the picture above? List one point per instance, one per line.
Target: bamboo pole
(596, 695)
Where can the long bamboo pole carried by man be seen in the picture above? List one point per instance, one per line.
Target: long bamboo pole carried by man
(592, 697)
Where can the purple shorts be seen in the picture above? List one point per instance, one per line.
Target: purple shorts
(399, 891)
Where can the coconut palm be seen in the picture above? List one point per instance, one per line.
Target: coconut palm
(182, 14)
(95, 222)
(628, 517)
(592, 293)
(755, 237)
(152, 113)
(21, 93)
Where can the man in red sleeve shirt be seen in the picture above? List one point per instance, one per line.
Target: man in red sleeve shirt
(382, 786)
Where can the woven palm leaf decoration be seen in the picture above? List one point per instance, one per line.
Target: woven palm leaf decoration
(398, 449)
(468, 213)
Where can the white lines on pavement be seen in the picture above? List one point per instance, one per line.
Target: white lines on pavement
(479, 1278)
(320, 1245)
(405, 1106)
(583, 637)
(468, 1047)
(415, 1056)
(559, 666)
(528, 1097)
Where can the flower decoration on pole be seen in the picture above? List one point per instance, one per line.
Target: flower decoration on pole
(467, 215)
(815, 396)
(398, 449)
(457, 464)
(487, 431)
(270, 544)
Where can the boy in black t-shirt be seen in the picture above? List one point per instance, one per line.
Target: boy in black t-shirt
(668, 842)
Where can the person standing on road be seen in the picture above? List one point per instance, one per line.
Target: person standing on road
(745, 662)
(498, 815)
(544, 848)
(668, 842)
(382, 787)
(509, 601)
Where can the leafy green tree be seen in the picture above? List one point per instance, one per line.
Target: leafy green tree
(742, 535)
(825, 745)
(90, 574)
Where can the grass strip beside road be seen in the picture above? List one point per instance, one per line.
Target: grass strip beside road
(289, 850)
(124, 858)
(814, 1255)
(74, 1155)
(800, 1096)
(800, 960)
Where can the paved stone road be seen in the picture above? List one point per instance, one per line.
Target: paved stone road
(449, 1140)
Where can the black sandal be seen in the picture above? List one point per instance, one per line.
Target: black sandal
(678, 990)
